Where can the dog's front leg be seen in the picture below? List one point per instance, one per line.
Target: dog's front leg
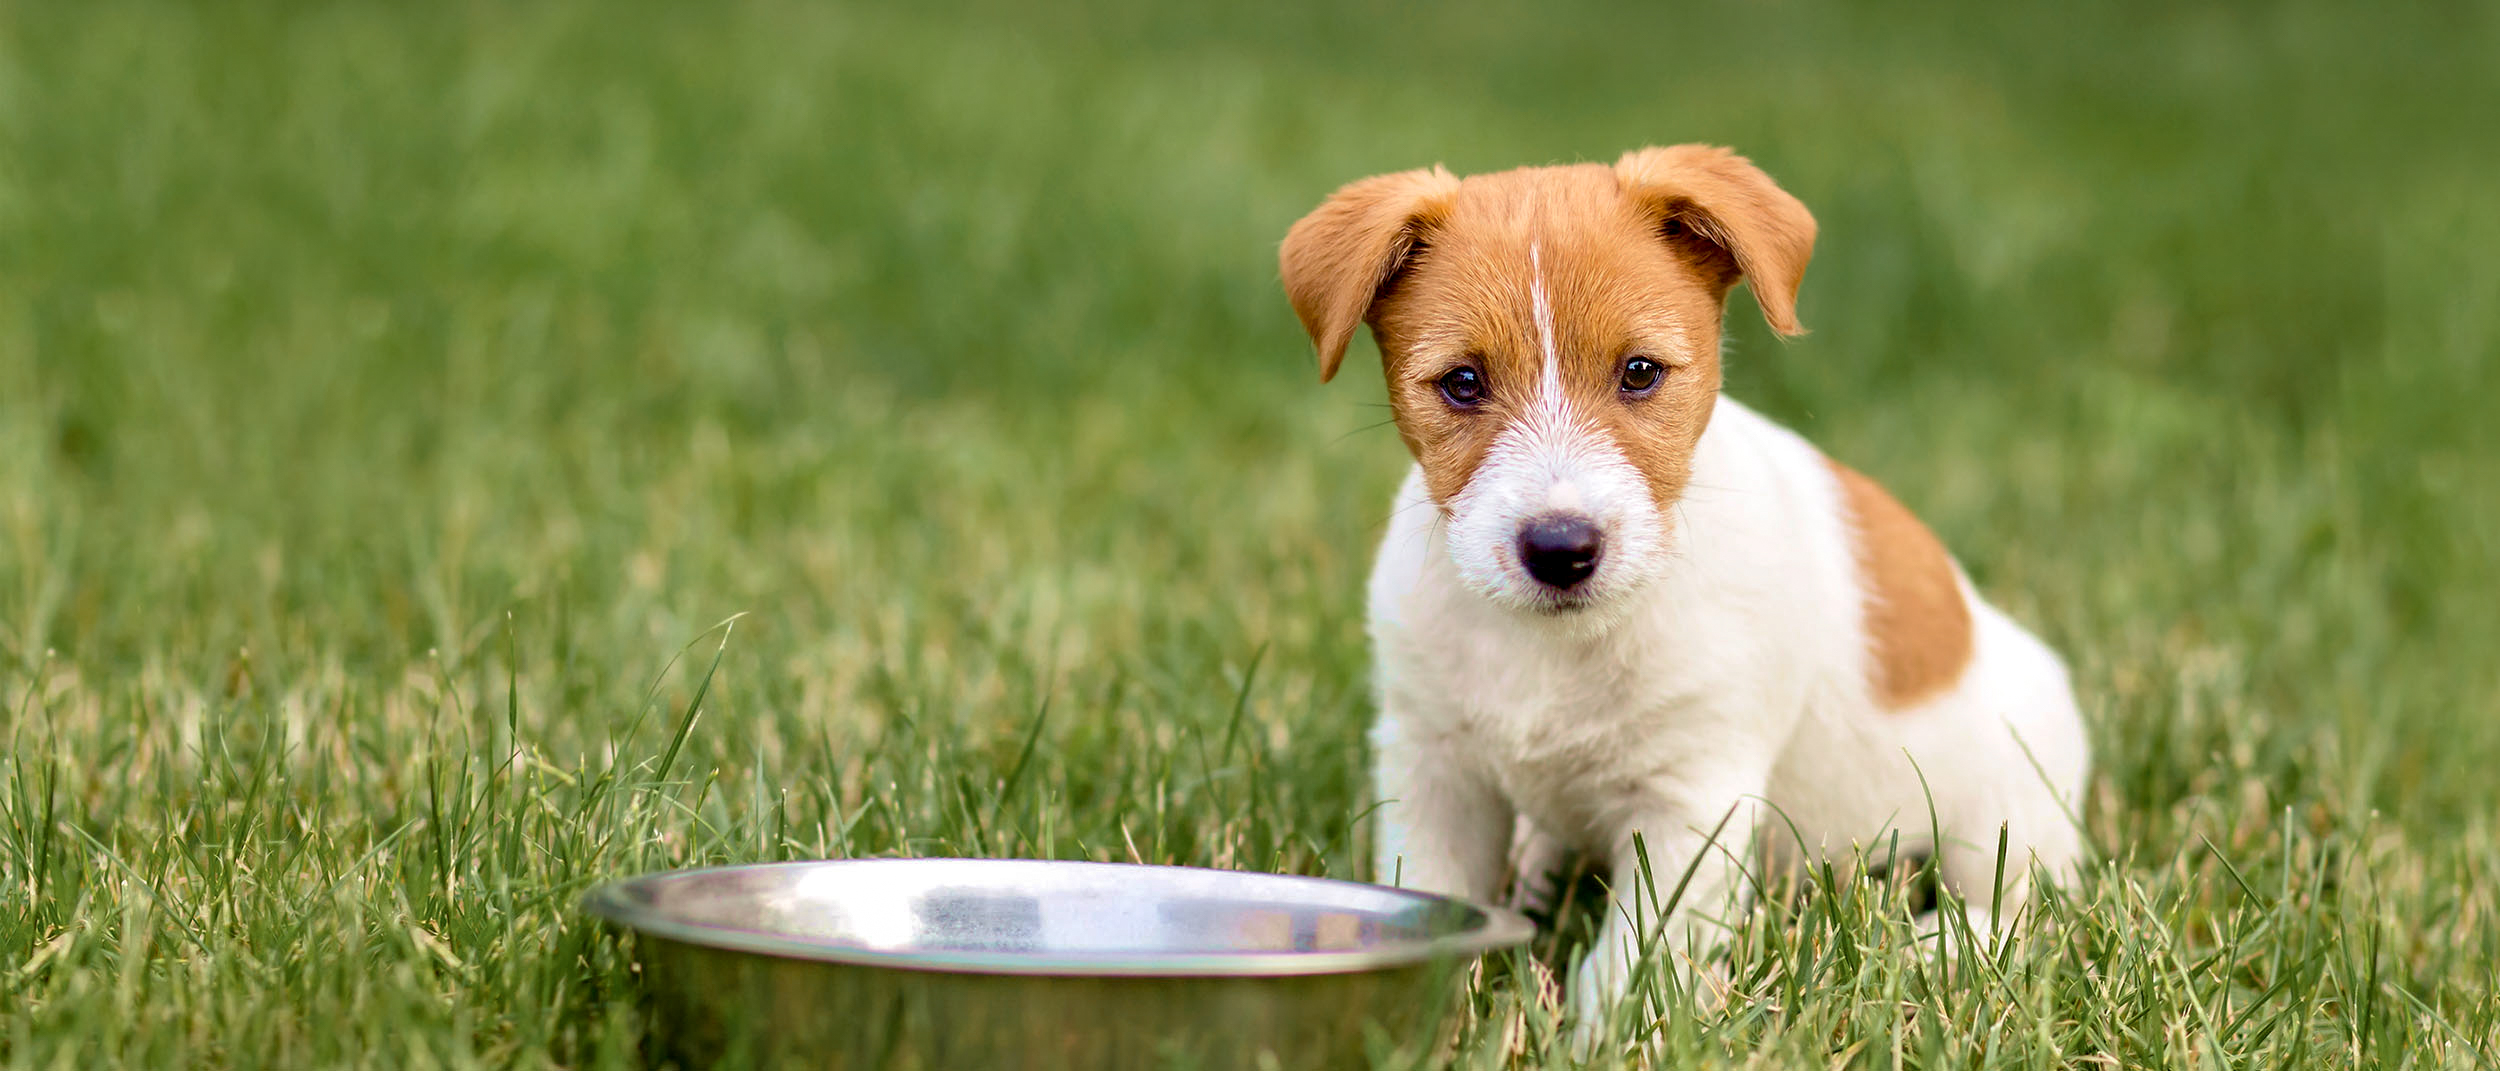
(1706, 847)
(1442, 826)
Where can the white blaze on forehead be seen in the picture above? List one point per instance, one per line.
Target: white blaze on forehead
(1543, 312)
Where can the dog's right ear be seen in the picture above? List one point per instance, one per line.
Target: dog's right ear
(1341, 259)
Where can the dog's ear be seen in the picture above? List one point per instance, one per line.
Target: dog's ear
(1741, 223)
(1341, 259)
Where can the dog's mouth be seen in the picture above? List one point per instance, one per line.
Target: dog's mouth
(1545, 601)
(1561, 608)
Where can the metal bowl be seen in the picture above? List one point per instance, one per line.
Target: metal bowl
(966, 963)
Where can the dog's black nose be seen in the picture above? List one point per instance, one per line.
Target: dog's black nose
(1559, 551)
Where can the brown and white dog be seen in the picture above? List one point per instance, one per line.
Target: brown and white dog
(1614, 602)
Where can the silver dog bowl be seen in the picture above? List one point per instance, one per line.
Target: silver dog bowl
(963, 963)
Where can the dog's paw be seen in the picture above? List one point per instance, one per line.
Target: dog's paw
(1539, 864)
(1940, 936)
(1605, 1006)
(1588, 1030)
(1595, 992)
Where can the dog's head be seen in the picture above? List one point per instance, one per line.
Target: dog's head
(1551, 340)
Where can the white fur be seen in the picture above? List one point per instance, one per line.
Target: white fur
(1542, 311)
(1716, 666)
(1553, 461)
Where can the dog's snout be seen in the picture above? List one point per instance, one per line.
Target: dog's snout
(1559, 551)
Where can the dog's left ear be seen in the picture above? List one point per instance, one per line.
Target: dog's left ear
(1340, 260)
(1743, 223)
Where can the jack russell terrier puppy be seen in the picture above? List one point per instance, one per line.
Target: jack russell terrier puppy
(1613, 603)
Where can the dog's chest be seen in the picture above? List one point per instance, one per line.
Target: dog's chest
(1565, 725)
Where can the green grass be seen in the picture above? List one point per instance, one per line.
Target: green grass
(388, 393)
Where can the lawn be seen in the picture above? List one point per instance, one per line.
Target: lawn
(454, 454)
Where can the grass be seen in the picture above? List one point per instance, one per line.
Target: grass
(398, 403)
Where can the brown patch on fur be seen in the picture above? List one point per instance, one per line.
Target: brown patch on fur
(1338, 260)
(1636, 259)
(1918, 626)
(1706, 196)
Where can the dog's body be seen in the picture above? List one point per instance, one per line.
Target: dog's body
(1735, 680)
(1612, 603)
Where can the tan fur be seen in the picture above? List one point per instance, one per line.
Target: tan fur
(1732, 206)
(1636, 258)
(1918, 626)
(1338, 259)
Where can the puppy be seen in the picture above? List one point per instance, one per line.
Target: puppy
(1613, 603)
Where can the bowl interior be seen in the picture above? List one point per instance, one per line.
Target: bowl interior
(1037, 915)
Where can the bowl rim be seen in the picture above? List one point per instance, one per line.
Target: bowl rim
(1492, 929)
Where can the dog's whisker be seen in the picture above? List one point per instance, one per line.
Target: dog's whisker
(1334, 443)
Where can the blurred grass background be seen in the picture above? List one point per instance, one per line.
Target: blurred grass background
(389, 392)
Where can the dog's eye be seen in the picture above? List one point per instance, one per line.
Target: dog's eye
(1463, 387)
(1641, 375)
